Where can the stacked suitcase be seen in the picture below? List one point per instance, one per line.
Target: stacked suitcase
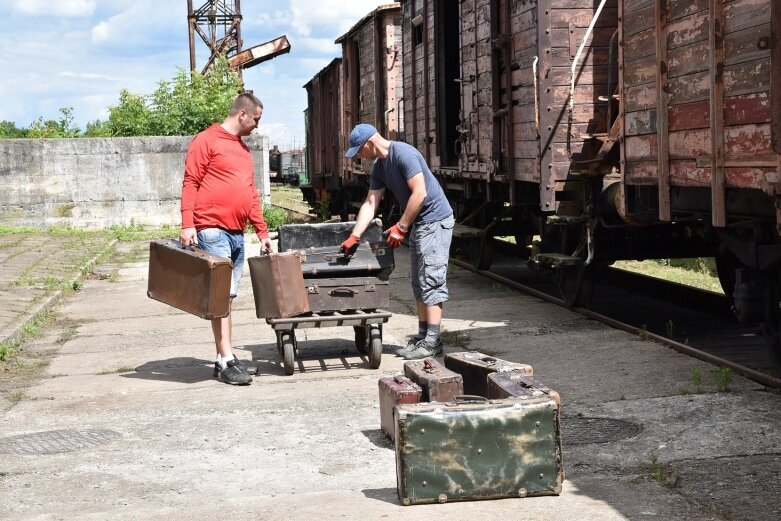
(334, 281)
(501, 439)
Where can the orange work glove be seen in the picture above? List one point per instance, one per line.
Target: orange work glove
(350, 246)
(395, 235)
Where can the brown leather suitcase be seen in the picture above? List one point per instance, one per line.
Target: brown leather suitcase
(439, 383)
(278, 285)
(347, 293)
(475, 368)
(370, 259)
(393, 391)
(189, 278)
(518, 384)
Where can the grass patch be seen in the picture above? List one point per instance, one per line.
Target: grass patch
(7, 350)
(137, 232)
(118, 370)
(699, 272)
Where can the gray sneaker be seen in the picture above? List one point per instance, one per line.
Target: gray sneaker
(423, 349)
(233, 375)
(410, 345)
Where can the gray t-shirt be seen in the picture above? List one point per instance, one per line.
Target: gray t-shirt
(404, 162)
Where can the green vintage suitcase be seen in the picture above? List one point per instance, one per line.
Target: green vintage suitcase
(477, 448)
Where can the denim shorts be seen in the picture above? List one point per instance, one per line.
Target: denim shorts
(225, 244)
(429, 245)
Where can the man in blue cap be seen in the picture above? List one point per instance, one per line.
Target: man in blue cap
(426, 216)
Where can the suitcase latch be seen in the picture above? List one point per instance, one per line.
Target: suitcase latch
(314, 289)
(368, 287)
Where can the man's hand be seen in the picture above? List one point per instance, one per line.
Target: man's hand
(187, 236)
(266, 245)
(395, 235)
(350, 246)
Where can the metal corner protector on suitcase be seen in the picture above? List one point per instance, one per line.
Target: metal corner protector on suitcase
(475, 367)
(477, 449)
(189, 278)
(278, 285)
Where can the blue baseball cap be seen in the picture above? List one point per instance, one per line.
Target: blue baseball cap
(360, 135)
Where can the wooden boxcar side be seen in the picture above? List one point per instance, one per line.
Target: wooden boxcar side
(372, 77)
(325, 130)
(696, 91)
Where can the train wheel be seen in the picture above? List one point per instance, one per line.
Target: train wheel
(481, 252)
(576, 285)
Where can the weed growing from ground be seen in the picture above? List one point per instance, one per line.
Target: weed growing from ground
(697, 379)
(722, 376)
(643, 332)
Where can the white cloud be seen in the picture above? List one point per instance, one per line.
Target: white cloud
(329, 16)
(142, 22)
(319, 45)
(63, 8)
(87, 76)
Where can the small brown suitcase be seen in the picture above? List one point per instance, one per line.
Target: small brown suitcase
(439, 383)
(518, 384)
(475, 367)
(278, 285)
(189, 278)
(347, 293)
(393, 391)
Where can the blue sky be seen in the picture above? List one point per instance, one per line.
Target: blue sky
(81, 53)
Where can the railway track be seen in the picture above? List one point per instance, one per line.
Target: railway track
(694, 322)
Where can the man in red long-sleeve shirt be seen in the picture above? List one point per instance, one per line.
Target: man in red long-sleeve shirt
(218, 198)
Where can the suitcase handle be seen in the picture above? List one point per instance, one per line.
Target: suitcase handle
(471, 398)
(342, 291)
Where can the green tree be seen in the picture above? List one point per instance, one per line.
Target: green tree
(184, 105)
(130, 117)
(60, 128)
(98, 128)
(8, 129)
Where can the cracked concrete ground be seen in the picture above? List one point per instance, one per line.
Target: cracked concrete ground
(291, 447)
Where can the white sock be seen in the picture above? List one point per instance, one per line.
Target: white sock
(224, 361)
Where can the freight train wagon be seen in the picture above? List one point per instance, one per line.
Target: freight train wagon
(364, 85)
(607, 129)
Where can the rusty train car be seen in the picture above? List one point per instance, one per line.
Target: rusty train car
(364, 85)
(599, 130)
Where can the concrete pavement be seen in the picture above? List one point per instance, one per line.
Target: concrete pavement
(130, 390)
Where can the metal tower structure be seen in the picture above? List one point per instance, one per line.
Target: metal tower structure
(218, 23)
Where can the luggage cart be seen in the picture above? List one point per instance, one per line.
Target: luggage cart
(367, 324)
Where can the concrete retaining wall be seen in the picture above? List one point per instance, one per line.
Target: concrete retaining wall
(100, 182)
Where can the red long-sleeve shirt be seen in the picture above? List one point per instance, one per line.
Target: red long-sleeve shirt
(218, 189)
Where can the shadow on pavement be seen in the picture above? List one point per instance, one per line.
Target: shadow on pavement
(185, 369)
(378, 438)
(387, 495)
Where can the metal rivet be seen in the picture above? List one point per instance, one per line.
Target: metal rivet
(541, 476)
(522, 492)
(538, 424)
(442, 498)
(425, 483)
(423, 431)
(479, 451)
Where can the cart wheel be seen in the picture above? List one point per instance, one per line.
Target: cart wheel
(288, 341)
(375, 347)
(361, 339)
